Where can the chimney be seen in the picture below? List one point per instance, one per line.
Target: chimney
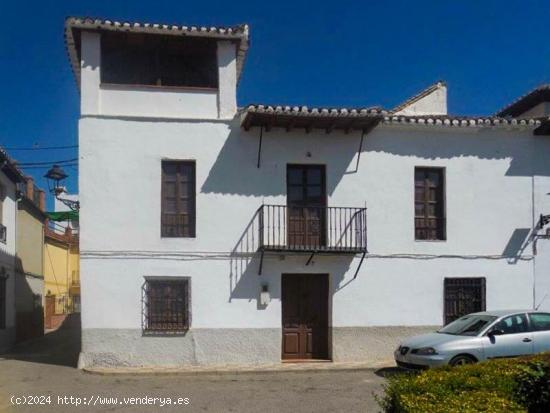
(42, 200)
(29, 187)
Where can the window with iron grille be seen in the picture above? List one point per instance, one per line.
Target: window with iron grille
(463, 296)
(166, 305)
(178, 199)
(429, 203)
(2, 302)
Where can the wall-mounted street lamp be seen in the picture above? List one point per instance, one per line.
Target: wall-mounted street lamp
(55, 178)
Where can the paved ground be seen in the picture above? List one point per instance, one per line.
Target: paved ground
(46, 368)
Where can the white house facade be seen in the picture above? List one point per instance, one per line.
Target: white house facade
(10, 176)
(212, 234)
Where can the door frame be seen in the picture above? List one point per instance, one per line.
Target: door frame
(328, 317)
(323, 198)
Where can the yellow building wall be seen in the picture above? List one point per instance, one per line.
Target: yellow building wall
(30, 242)
(61, 272)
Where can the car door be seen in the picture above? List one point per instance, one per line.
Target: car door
(540, 327)
(514, 338)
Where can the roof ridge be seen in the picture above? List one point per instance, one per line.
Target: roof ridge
(415, 98)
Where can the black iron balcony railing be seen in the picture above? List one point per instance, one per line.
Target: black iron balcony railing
(312, 229)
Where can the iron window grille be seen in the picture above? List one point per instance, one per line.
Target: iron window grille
(463, 296)
(166, 305)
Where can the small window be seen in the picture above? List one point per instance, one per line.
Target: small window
(540, 321)
(166, 305)
(429, 204)
(2, 302)
(149, 60)
(463, 296)
(512, 325)
(178, 199)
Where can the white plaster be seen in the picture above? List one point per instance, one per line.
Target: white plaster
(144, 101)
(90, 66)
(434, 103)
(7, 259)
(489, 178)
(156, 101)
(227, 75)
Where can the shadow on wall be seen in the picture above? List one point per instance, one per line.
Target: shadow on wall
(246, 283)
(235, 170)
(244, 264)
(526, 159)
(518, 242)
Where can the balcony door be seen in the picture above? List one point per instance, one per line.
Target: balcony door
(306, 201)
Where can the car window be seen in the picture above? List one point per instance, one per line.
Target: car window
(512, 325)
(540, 321)
(469, 325)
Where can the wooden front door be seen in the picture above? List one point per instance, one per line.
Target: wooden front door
(306, 202)
(305, 316)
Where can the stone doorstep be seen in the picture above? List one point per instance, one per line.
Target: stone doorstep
(285, 367)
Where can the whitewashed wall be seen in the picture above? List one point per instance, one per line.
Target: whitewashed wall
(7, 260)
(489, 201)
(153, 101)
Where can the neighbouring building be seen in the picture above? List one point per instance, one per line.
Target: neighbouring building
(213, 234)
(10, 177)
(61, 271)
(65, 216)
(29, 268)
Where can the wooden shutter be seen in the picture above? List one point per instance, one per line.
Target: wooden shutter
(429, 207)
(178, 199)
(463, 296)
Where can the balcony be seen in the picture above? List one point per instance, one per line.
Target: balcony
(312, 229)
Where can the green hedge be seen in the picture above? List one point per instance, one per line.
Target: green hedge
(505, 385)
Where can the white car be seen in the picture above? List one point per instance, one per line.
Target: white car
(477, 337)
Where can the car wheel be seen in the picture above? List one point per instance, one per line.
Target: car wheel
(462, 360)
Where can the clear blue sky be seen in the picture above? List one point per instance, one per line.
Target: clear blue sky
(336, 53)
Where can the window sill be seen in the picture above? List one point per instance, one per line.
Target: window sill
(430, 240)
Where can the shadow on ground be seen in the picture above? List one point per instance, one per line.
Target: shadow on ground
(387, 372)
(59, 347)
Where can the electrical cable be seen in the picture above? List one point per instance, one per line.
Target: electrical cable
(37, 148)
(63, 161)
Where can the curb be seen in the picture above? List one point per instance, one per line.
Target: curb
(235, 370)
